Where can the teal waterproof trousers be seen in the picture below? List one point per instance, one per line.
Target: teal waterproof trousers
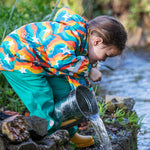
(39, 93)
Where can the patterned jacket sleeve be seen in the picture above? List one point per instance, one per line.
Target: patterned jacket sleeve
(62, 56)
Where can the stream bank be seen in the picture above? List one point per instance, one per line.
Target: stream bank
(34, 136)
(121, 122)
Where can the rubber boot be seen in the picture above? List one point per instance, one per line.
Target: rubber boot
(82, 141)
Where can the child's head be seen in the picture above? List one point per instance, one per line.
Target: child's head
(107, 38)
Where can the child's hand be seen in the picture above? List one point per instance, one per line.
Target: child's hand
(95, 75)
(83, 126)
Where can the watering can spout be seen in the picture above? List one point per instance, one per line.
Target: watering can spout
(76, 108)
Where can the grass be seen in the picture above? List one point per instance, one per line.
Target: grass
(8, 98)
(128, 119)
(24, 12)
(102, 109)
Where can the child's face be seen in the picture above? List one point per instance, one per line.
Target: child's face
(97, 51)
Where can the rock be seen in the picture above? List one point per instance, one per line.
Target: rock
(61, 138)
(120, 102)
(111, 107)
(2, 144)
(15, 128)
(37, 127)
(14, 135)
(100, 99)
(29, 145)
(58, 141)
(47, 144)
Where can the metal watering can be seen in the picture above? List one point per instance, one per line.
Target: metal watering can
(78, 107)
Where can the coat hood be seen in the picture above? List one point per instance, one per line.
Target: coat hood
(66, 16)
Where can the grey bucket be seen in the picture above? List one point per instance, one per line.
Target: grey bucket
(79, 105)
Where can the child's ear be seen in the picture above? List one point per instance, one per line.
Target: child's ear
(97, 41)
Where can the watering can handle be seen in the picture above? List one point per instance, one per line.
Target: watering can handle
(68, 122)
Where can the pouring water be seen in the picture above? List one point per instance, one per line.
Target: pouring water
(101, 131)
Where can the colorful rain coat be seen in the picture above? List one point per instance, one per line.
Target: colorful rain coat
(49, 48)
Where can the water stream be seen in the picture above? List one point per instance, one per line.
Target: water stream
(131, 77)
(101, 131)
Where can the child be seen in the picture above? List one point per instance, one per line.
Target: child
(44, 61)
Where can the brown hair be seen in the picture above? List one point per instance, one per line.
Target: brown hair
(110, 30)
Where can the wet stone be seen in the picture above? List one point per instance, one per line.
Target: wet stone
(37, 127)
(15, 128)
(61, 138)
(120, 102)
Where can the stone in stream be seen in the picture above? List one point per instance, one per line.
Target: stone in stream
(119, 102)
(15, 128)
